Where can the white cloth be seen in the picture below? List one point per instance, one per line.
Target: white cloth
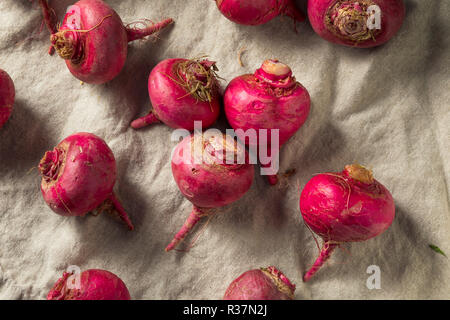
(387, 108)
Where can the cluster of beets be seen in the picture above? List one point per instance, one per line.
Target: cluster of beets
(79, 174)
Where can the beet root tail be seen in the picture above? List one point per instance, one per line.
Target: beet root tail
(136, 34)
(194, 217)
(292, 11)
(325, 253)
(144, 121)
(123, 215)
(50, 21)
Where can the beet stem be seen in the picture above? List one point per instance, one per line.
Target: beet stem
(189, 224)
(135, 34)
(120, 209)
(145, 121)
(273, 179)
(325, 253)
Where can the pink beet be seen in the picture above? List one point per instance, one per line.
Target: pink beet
(352, 23)
(345, 206)
(93, 40)
(270, 98)
(261, 284)
(94, 284)
(205, 179)
(78, 176)
(256, 12)
(182, 91)
(7, 95)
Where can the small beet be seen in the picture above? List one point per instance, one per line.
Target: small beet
(93, 40)
(78, 176)
(356, 23)
(347, 206)
(261, 284)
(204, 177)
(182, 91)
(94, 284)
(271, 98)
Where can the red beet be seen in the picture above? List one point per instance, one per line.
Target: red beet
(269, 99)
(356, 23)
(94, 284)
(78, 176)
(261, 284)
(207, 180)
(256, 12)
(93, 40)
(345, 206)
(7, 95)
(182, 91)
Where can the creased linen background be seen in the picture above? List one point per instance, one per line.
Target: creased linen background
(387, 108)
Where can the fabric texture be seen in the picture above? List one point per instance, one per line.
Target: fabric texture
(386, 108)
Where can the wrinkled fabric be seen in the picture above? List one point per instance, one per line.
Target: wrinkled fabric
(386, 108)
